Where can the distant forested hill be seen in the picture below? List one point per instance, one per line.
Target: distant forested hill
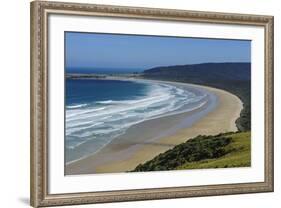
(200, 73)
(233, 77)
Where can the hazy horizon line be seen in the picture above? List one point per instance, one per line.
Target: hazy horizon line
(142, 69)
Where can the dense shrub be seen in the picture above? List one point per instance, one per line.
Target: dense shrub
(199, 148)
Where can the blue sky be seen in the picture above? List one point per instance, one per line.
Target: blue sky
(93, 51)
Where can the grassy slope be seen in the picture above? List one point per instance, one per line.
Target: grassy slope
(220, 151)
(240, 156)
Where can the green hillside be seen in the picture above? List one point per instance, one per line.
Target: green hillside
(220, 151)
(232, 77)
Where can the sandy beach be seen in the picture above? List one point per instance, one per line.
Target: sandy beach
(145, 140)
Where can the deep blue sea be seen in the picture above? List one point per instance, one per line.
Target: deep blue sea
(86, 91)
(97, 111)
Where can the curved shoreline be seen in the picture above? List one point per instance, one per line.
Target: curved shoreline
(124, 154)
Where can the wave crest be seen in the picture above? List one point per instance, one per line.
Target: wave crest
(105, 120)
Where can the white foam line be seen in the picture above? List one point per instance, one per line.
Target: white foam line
(162, 99)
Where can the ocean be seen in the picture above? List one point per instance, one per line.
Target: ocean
(98, 111)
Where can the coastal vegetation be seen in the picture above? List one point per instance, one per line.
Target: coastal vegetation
(224, 150)
(204, 151)
(232, 77)
(219, 151)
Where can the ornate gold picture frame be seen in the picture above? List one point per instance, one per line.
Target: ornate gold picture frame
(40, 85)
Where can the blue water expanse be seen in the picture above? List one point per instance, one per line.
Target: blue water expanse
(98, 111)
(86, 91)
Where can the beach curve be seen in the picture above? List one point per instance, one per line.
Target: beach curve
(123, 154)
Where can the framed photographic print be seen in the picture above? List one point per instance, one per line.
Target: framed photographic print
(140, 103)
